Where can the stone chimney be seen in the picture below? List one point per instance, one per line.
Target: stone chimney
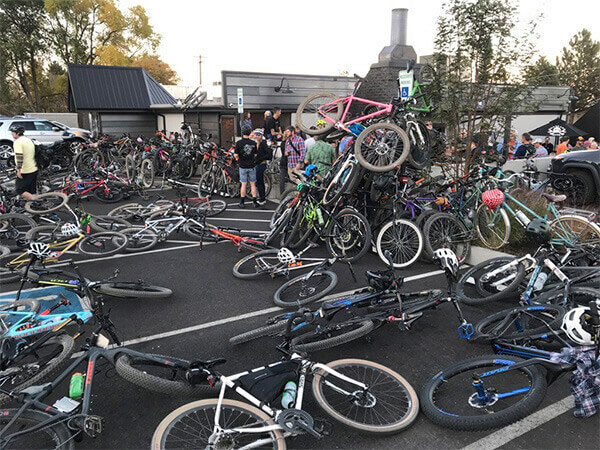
(381, 84)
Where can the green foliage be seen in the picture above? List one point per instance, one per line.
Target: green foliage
(579, 67)
(519, 243)
(542, 73)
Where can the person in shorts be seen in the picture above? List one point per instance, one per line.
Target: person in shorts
(246, 153)
(27, 169)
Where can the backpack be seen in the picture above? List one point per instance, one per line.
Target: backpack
(42, 161)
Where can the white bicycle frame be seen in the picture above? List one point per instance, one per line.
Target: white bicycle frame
(229, 382)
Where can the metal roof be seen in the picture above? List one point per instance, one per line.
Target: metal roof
(94, 87)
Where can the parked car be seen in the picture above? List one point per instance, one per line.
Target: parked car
(79, 132)
(43, 131)
(583, 183)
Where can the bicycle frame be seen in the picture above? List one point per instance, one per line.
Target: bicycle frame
(65, 245)
(386, 108)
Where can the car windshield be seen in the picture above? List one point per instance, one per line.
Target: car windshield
(59, 125)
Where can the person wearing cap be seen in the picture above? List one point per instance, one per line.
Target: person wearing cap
(264, 155)
(579, 144)
(27, 169)
(540, 150)
(246, 153)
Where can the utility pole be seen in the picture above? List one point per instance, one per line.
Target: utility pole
(200, 68)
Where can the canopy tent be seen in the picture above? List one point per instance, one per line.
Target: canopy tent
(590, 121)
(558, 128)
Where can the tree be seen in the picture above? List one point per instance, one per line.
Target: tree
(476, 88)
(160, 70)
(542, 73)
(579, 67)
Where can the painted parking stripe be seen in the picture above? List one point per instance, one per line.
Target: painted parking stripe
(511, 432)
(249, 210)
(239, 219)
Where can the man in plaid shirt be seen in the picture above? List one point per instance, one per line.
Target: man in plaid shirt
(295, 152)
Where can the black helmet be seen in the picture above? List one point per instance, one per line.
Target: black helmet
(539, 230)
(19, 129)
(246, 130)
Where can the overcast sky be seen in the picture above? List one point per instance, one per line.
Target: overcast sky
(321, 37)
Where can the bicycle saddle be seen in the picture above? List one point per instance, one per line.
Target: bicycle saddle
(34, 390)
(554, 198)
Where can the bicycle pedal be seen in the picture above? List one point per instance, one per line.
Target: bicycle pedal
(323, 427)
(92, 426)
(466, 331)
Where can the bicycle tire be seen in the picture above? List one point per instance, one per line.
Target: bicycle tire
(299, 344)
(140, 239)
(146, 174)
(52, 367)
(99, 223)
(132, 289)
(31, 205)
(249, 276)
(482, 216)
(127, 211)
(282, 222)
(125, 366)
(45, 233)
(459, 242)
(575, 228)
(114, 194)
(392, 159)
(14, 226)
(119, 240)
(267, 330)
(542, 331)
(330, 280)
(382, 376)
(337, 244)
(9, 274)
(286, 198)
(233, 414)
(487, 297)
(206, 184)
(398, 242)
(57, 433)
(336, 189)
(519, 410)
(586, 294)
(212, 207)
(419, 157)
(327, 126)
(195, 231)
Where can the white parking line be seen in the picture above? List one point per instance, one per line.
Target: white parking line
(250, 210)
(511, 432)
(233, 219)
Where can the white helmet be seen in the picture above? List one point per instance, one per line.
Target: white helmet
(447, 259)
(286, 256)
(69, 229)
(574, 324)
(39, 249)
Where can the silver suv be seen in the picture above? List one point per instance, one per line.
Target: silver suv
(43, 131)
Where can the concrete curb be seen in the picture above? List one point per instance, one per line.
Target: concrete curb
(481, 254)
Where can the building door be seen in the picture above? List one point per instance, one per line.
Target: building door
(227, 130)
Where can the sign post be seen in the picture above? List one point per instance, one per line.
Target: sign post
(240, 100)
(405, 80)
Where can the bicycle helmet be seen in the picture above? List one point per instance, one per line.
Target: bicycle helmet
(539, 230)
(286, 256)
(492, 198)
(69, 229)
(576, 327)
(311, 170)
(320, 123)
(380, 280)
(19, 129)
(39, 250)
(447, 259)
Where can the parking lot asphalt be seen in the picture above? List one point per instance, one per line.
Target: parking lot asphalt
(204, 312)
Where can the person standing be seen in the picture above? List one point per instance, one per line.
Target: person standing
(563, 147)
(264, 155)
(295, 152)
(246, 153)
(525, 150)
(322, 155)
(540, 150)
(27, 169)
(246, 121)
(276, 116)
(579, 144)
(548, 145)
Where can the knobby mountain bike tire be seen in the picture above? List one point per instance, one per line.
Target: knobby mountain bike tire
(390, 406)
(286, 198)
(305, 289)
(247, 269)
(267, 330)
(445, 397)
(105, 243)
(338, 334)
(445, 230)
(31, 370)
(47, 202)
(113, 195)
(132, 289)
(381, 147)
(348, 235)
(57, 436)
(191, 425)
(475, 273)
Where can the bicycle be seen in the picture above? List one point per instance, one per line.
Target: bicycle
(351, 391)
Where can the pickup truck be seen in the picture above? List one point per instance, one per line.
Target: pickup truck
(582, 185)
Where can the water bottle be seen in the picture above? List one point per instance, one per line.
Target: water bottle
(289, 395)
(76, 386)
(320, 216)
(540, 281)
(522, 218)
(169, 227)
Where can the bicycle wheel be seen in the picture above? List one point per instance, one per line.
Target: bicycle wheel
(159, 376)
(108, 223)
(341, 185)
(348, 235)
(56, 436)
(108, 194)
(45, 203)
(444, 230)
(420, 145)
(403, 239)
(492, 226)
(30, 369)
(388, 406)
(130, 169)
(490, 288)
(574, 231)
(196, 230)
(146, 174)
(286, 198)
(578, 296)
(140, 239)
(297, 231)
(256, 265)
(132, 289)
(521, 323)
(129, 211)
(207, 183)
(313, 109)
(212, 207)
(450, 400)
(305, 289)
(45, 233)
(331, 336)
(103, 244)
(192, 425)
(381, 147)
(268, 330)
(10, 270)
(14, 226)
(4, 250)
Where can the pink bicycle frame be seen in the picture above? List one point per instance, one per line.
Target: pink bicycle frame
(385, 108)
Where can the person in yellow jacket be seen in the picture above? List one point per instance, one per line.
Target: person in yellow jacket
(27, 169)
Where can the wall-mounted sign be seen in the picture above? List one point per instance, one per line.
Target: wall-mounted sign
(240, 100)
(406, 80)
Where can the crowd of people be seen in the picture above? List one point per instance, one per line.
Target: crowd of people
(529, 148)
